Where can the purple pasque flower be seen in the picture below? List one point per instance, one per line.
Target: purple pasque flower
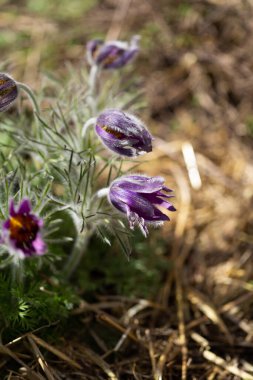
(123, 133)
(8, 91)
(21, 232)
(138, 196)
(112, 54)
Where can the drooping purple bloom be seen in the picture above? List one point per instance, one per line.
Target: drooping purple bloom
(112, 54)
(123, 133)
(138, 196)
(8, 91)
(22, 231)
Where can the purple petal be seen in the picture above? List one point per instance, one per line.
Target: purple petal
(128, 152)
(122, 59)
(38, 245)
(140, 184)
(92, 48)
(12, 211)
(25, 207)
(93, 45)
(158, 216)
(159, 201)
(6, 224)
(135, 201)
(165, 188)
(107, 55)
(161, 194)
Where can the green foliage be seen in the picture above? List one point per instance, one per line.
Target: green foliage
(31, 304)
(49, 157)
(108, 271)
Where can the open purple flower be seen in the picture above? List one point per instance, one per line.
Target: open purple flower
(8, 91)
(112, 54)
(140, 198)
(21, 232)
(123, 133)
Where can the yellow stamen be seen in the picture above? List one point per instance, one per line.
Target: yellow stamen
(117, 134)
(15, 223)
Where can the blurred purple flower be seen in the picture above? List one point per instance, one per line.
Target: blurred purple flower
(123, 133)
(21, 232)
(8, 91)
(138, 197)
(112, 54)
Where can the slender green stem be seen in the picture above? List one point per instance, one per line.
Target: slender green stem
(92, 98)
(93, 79)
(31, 95)
(17, 272)
(77, 253)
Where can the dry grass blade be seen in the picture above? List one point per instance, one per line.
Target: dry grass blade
(113, 323)
(164, 357)
(141, 305)
(118, 20)
(217, 360)
(55, 351)
(181, 324)
(96, 359)
(31, 375)
(191, 165)
(205, 306)
(41, 360)
(231, 368)
(151, 353)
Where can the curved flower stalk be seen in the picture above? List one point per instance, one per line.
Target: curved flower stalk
(112, 54)
(21, 232)
(123, 133)
(138, 196)
(8, 91)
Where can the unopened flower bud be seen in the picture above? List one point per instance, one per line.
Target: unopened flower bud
(123, 133)
(8, 91)
(112, 54)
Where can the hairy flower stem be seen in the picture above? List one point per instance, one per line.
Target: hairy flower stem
(92, 99)
(17, 272)
(102, 192)
(31, 96)
(89, 123)
(77, 253)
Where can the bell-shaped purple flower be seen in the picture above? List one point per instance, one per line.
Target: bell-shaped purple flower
(8, 91)
(22, 231)
(140, 198)
(123, 133)
(112, 54)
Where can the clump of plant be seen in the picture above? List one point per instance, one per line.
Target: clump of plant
(62, 182)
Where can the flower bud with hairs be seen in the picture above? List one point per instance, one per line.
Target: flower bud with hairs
(8, 91)
(123, 133)
(112, 54)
